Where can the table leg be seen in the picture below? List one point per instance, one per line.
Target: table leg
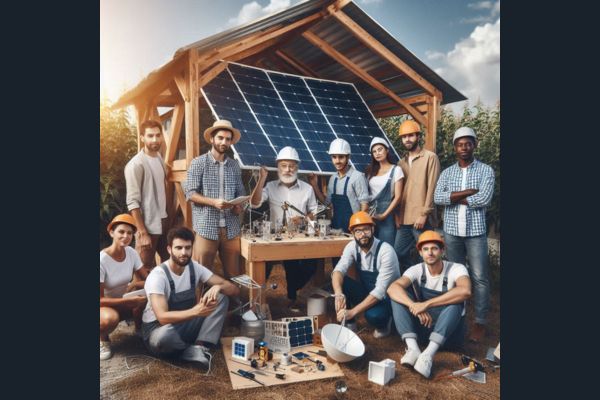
(257, 271)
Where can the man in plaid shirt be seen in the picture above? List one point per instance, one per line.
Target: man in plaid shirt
(466, 189)
(212, 179)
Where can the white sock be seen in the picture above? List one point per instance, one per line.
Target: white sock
(412, 344)
(431, 348)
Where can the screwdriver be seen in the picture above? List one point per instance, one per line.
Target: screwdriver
(247, 375)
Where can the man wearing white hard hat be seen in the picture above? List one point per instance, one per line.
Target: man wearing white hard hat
(288, 188)
(212, 179)
(347, 190)
(386, 181)
(465, 189)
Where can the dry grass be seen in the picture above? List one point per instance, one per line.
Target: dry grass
(131, 375)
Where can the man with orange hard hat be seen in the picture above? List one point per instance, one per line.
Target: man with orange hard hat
(377, 266)
(429, 301)
(416, 212)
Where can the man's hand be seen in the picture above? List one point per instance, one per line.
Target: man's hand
(143, 239)
(350, 313)
(212, 294)
(340, 302)
(297, 220)
(425, 319)
(313, 179)
(221, 204)
(263, 172)
(418, 308)
(378, 217)
(203, 309)
(420, 222)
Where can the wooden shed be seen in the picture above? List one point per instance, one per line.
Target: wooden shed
(326, 39)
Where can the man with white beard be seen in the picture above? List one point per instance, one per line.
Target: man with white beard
(288, 188)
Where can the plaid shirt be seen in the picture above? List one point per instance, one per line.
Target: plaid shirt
(479, 176)
(203, 178)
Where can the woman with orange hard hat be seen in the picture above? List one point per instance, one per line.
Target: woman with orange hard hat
(119, 263)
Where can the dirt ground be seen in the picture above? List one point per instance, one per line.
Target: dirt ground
(132, 374)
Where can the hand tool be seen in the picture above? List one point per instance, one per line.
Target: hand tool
(247, 375)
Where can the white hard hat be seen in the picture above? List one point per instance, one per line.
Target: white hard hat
(378, 140)
(288, 153)
(339, 146)
(462, 132)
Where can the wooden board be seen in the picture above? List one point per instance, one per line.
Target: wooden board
(332, 369)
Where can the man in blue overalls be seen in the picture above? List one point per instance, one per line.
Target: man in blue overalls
(429, 300)
(177, 320)
(377, 266)
(347, 191)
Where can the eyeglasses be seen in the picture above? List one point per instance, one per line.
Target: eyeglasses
(361, 231)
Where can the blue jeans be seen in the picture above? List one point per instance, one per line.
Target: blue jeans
(378, 315)
(448, 327)
(473, 253)
(405, 242)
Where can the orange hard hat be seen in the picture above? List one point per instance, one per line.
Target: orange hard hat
(429, 236)
(407, 127)
(360, 218)
(122, 219)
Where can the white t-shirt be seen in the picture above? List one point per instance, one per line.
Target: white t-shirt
(158, 283)
(377, 183)
(117, 275)
(436, 282)
(159, 174)
(462, 209)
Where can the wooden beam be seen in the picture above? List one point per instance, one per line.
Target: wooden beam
(397, 111)
(192, 116)
(177, 176)
(303, 69)
(211, 74)
(174, 134)
(410, 100)
(180, 81)
(433, 106)
(227, 51)
(336, 55)
(383, 51)
(186, 207)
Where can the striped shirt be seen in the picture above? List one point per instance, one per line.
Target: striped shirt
(358, 189)
(203, 178)
(479, 176)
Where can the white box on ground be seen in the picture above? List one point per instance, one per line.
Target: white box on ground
(242, 347)
(382, 372)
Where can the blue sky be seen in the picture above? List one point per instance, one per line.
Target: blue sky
(459, 39)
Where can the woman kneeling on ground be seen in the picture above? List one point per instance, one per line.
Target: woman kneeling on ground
(118, 264)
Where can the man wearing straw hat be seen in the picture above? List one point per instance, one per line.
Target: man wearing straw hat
(377, 266)
(212, 179)
(428, 302)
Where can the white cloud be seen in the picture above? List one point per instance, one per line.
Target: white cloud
(253, 10)
(480, 5)
(494, 12)
(434, 55)
(473, 66)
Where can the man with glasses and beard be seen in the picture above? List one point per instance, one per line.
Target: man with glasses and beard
(288, 188)
(212, 179)
(377, 267)
(176, 321)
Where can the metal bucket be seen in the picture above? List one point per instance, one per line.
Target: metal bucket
(253, 329)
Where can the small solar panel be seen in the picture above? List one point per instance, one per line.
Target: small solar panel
(274, 110)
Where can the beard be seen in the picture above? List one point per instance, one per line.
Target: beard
(365, 244)
(181, 261)
(410, 146)
(287, 179)
(220, 148)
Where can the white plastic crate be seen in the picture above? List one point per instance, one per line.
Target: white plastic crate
(282, 336)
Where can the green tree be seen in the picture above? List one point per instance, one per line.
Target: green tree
(118, 143)
(486, 123)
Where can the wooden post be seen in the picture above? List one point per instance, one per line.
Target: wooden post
(433, 104)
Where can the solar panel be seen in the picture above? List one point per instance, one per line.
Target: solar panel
(274, 110)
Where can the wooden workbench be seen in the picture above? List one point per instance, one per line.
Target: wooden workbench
(257, 252)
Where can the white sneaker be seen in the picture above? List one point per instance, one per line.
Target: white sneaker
(196, 353)
(105, 350)
(410, 357)
(379, 333)
(423, 364)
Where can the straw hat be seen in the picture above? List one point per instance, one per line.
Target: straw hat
(222, 124)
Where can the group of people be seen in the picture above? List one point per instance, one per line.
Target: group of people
(389, 210)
